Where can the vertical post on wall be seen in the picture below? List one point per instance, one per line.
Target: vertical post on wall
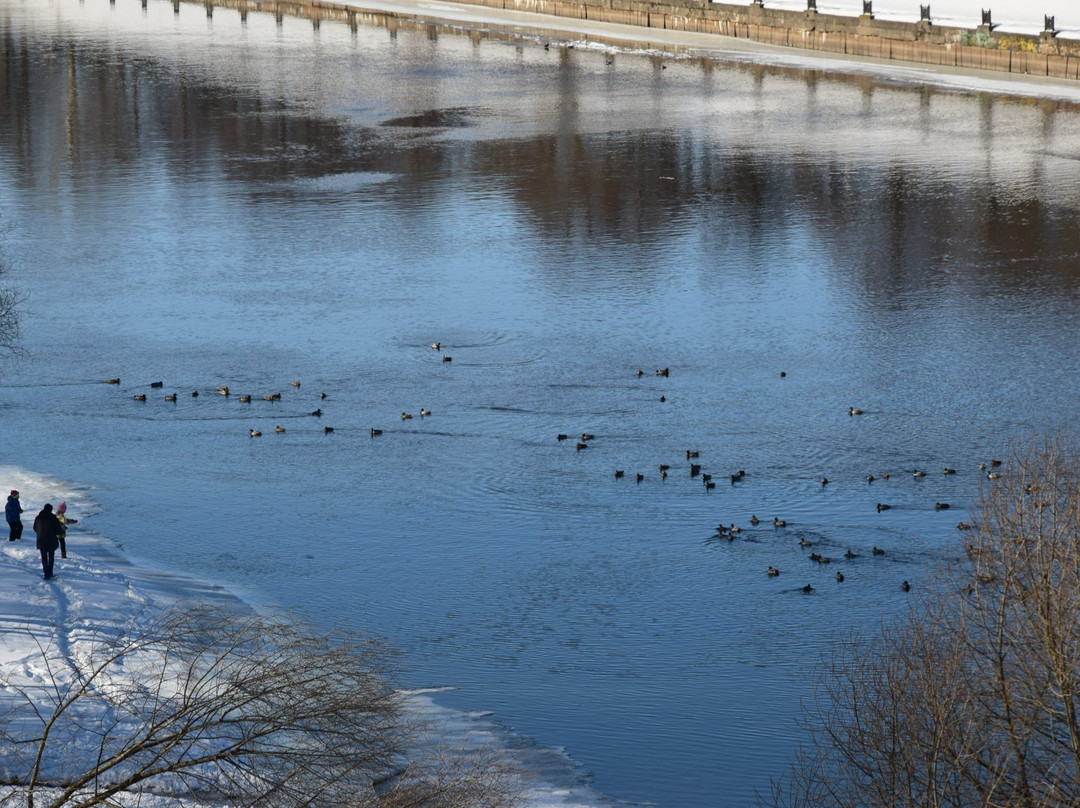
(868, 8)
(924, 12)
(1048, 24)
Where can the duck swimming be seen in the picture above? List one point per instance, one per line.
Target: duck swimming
(778, 522)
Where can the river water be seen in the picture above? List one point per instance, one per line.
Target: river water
(209, 201)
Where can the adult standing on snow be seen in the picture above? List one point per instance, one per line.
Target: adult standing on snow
(13, 512)
(48, 528)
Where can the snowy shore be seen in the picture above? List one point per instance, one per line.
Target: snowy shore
(96, 586)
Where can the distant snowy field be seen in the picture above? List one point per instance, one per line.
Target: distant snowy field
(1008, 16)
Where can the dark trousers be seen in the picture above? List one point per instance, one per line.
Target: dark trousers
(16, 531)
(47, 561)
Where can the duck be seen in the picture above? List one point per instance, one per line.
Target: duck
(295, 384)
(783, 374)
(424, 412)
(848, 553)
(140, 396)
(772, 572)
(905, 586)
(194, 393)
(316, 413)
(447, 358)
(881, 506)
(619, 473)
(884, 475)
(706, 477)
(157, 384)
(754, 520)
(734, 528)
(406, 416)
(375, 432)
(639, 477)
(854, 411)
(878, 551)
(327, 430)
(581, 446)
(982, 467)
(839, 577)
(805, 542)
(663, 474)
(710, 485)
(869, 478)
(436, 346)
(992, 475)
(721, 530)
(171, 397)
(223, 390)
(244, 399)
(964, 526)
(695, 469)
(254, 433)
(589, 436)
(815, 557)
(265, 398)
(916, 473)
(778, 522)
(663, 399)
(322, 396)
(824, 481)
(640, 373)
(690, 455)
(112, 381)
(995, 463)
(941, 506)
(948, 470)
(279, 429)
(561, 437)
(663, 372)
(808, 588)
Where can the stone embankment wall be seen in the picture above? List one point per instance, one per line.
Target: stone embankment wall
(980, 48)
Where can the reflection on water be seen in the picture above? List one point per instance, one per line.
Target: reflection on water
(217, 201)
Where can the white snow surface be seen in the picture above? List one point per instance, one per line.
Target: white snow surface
(95, 586)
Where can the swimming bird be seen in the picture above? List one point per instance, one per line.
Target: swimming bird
(663, 474)
(948, 470)
(782, 374)
(734, 528)
(709, 486)
(848, 553)
(905, 586)
(772, 572)
(663, 399)
(882, 507)
(691, 455)
(140, 397)
(754, 520)
(279, 429)
(244, 399)
(964, 526)
(254, 433)
(815, 557)
(706, 478)
(663, 372)
(447, 358)
(295, 384)
(581, 446)
(916, 473)
(808, 588)
(640, 373)
(805, 542)
(878, 551)
(839, 577)
(992, 475)
(112, 381)
(995, 463)
(869, 478)
(561, 437)
(157, 384)
(375, 432)
(327, 430)
(853, 411)
(824, 481)
(436, 346)
(223, 390)
(405, 416)
(884, 475)
(424, 412)
(941, 506)
(982, 467)
(618, 474)
(316, 413)
(194, 393)
(587, 436)
(695, 469)
(322, 395)
(778, 522)
(639, 477)
(171, 397)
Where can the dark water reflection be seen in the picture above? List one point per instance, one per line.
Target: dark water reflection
(215, 201)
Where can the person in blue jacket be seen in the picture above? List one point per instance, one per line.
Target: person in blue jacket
(13, 512)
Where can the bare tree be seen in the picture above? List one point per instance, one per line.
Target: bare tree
(10, 303)
(215, 707)
(973, 698)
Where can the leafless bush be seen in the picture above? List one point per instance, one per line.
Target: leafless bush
(973, 698)
(219, 708)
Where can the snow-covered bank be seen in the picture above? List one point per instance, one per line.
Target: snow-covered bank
(95, 587)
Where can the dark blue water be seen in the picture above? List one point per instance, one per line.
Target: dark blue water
(206, 202)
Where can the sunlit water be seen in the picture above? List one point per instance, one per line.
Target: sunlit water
(208, 202)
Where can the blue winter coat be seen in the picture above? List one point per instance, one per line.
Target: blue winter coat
(13, 509)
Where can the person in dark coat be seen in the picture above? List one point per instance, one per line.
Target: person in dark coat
(48, 528)
(13, 512)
